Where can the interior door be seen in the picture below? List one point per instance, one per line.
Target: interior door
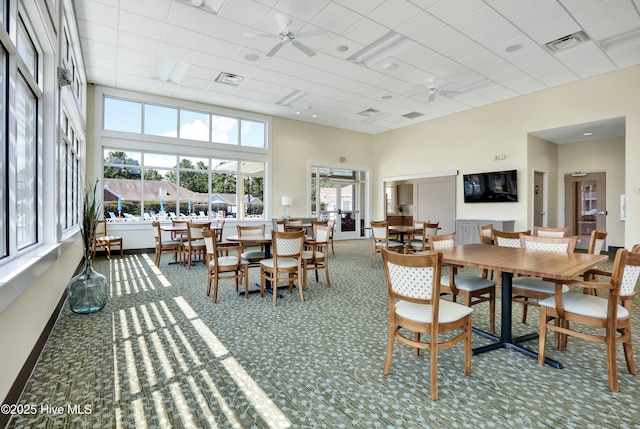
(585, 204)
(339, 201)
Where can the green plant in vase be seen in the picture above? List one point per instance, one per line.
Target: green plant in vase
(88, 291)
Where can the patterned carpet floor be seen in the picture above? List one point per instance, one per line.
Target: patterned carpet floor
(161, 354)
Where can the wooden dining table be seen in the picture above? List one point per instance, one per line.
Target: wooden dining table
(404, 229)
(552, 266)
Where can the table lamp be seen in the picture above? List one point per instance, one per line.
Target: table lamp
(287, 202)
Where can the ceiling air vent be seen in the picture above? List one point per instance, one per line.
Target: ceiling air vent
(567, 42)
(369, 113)
(412, 115)
(229, 79)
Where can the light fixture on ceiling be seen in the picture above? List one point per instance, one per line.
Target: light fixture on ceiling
(229, 79)
(588, 134)
(620, 41)
(382, 48)
(212, 6)
(293, 99)
(578, 174)
(168, 70)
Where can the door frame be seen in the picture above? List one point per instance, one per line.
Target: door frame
(569, 201)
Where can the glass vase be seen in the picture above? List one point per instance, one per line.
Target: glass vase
(88, 290)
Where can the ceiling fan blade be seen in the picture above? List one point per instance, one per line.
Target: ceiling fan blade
(311, 33)
(275, 49)
(282, 23)
(432, 96)
(258, 35)
(304, 48)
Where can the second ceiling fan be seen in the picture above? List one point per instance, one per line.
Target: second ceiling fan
(287, 36)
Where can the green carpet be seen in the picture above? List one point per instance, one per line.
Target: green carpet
(161, 354)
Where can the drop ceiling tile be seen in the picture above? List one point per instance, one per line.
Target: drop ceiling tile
(131, 81)
(304, 10)
(96, 62)
(424, 4)
(136, 57)
(154, 9)
(586, 60)
(479, 21)
(250, 14)
(498, 35)
(219, 48)
(462, 50)
(336, 18)
(100, 13)
(228, 30)
(99, 49)
(511, 9)
(618, 26)
(141, 25)
(393, 13)
(604, 11)
(574, 6)
(133, 69)
(176, 53)
(98, 32)
(365, 31)
(554, 30)
(443, 39)
(421, 26)
(186, 16)
(182, 37)
(362, 7)
(626, 56)
(332, 47)
(453, 10)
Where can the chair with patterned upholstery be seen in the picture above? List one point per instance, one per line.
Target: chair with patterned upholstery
(419, 241)
(416, 310)
(611, 314)
(596, 244)
(102, 240)
(529, 290)
(286, 260)
(194, 244)
(381, 240)
(252, 255)
(315, 256)
(543, 231)
(224, 263)
(473, 289)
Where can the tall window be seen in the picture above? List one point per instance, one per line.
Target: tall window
(26, 147)
(3, 147)
(188, 162)
(147, 185)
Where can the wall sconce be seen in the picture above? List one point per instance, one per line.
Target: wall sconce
(64, 77)
(286, 203)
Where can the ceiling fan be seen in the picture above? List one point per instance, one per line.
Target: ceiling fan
(287, 36)
(432, 90)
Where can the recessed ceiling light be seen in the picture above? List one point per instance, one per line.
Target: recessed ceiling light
(251, 57)
(386, 97)
(588, 134)
(342, 48)
(513, 48)
(390, 66)
(314, 116)
(297, 113)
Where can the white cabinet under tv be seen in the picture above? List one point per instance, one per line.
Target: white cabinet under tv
(467, 229)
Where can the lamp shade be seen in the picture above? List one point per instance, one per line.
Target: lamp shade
(287, 201)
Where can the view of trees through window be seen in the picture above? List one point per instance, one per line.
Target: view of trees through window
(145, 186)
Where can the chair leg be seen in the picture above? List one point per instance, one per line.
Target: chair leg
(628, 353)
(390, 343)
(433, 367)
(209, 285)
(215, 288)
(326, 273)
(612, 369)
(524, 311)
(467, 348)
(492, 310)
(245, 271)
(542, 337)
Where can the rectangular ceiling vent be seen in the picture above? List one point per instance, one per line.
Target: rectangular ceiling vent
(567, 42)
(369, 113)
(412, 115)
(229, 79)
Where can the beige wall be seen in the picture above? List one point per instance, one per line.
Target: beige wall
(297, 144)
(542, 156)
(24, 320)
(598, 155)
(468, 140)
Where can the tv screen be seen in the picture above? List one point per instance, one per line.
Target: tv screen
(493, 187)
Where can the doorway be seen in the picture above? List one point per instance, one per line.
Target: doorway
(539, 212)
(585, 204)
(338, 197)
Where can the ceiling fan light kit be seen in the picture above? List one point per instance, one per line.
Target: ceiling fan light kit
(287, 36)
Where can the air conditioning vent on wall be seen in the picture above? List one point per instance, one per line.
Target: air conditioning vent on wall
(567, 42)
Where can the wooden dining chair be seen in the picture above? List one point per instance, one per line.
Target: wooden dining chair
(286, 260)
(315, 257)
(543, 231)
(473, 289)
(486, 234)
(224, 263)
(251, 254)
(194, 244)
(164, 243)
(102, 240)
(610, 315)
(331, 223)
(381, 239)
(416, 310)
(529, 290)
(419, 241)
(596, 244)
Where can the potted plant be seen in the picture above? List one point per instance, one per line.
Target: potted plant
(88, 290)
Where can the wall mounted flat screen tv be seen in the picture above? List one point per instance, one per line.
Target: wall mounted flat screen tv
(493, 187)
